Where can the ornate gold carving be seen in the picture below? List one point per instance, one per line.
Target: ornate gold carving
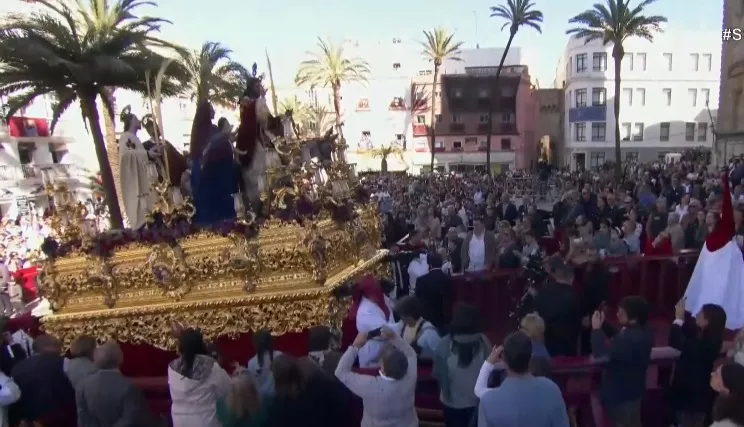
(133, 292)
(99, 275)
(167, 266)
(317, 252)
(242, 260)
(69, 215)
(280, 312)
(165, 208)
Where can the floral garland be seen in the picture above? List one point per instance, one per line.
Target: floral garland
(104, 244)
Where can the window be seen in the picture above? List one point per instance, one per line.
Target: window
(457, 145)
(483, 93)
(641, 96)
(695, 60)
(626, 131)
(641, 61)
(689, 131)
(599, 96)
(668, 59)
(363, 104)
(708, 61)
(596, 160)
(599, 131)
(506, 144)
(638, 132)
(667, 96)
(581, 62)
(456, 118)
(706, 96)
(628, 61)
(628, 97)
(631, 157)
(702, 132)
(438, 94)
(483, 118)
(692, 94)
(599, 61)
(580, 98)
(420, 119)
(397, 103)
(507, 118)
(366, 133)
(439, 144)
(438, 118)
(664, 131)
(569, 65)
(26, 152)
(396, 66)
(57, 155)
(580, 131)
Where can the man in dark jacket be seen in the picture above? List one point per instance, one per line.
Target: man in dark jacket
(506, 210)
(627, 355)
(434, 290)
(595, 294)
(10, 353)
(558, 306)
(47, 397)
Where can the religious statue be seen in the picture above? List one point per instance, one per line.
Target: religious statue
(135, 172)
(156, 146)
(255, 137)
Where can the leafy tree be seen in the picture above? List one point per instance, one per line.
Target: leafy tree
(50, 52)
(516, 13)
(213, 76)
(330, 66)
(383, 153)
(613, 23)
(438, 46)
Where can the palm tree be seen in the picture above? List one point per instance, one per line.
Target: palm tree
(105, 18)
(613, 22)
(272, 86)
(52, 53)
(310, 117)
(330, 67)
(438, 46)
(383, 153)
(516, 13)
(213, 76)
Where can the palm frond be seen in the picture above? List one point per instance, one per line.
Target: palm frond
(330, 66)
(518, 13)
(439, 45)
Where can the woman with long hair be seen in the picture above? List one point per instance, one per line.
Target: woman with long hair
(292, 405)
(260, 365)
(196, 381)
(728, 381)
(457, 363)
(242, 406)
(700, 345)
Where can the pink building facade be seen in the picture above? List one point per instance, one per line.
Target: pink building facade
(461, 104)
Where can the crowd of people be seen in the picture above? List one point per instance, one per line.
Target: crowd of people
(410, 341)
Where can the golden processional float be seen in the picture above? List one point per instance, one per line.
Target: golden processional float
(228, 279)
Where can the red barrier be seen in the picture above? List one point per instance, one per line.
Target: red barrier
(26, 277)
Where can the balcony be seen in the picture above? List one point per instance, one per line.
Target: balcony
(420, 130)
(483, 128)
(506, 128)
(34, 173)
(457, 127)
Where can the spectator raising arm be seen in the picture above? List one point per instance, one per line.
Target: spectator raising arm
(492, 363)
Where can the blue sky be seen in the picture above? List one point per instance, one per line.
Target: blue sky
(288, 28)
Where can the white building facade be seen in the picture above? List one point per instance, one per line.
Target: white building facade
(668, 97)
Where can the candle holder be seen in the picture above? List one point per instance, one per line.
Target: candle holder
(166, 209)
(68, 214)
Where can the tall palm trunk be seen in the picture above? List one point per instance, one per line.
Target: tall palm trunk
(90, 111)
(432, 119)
(493, 96)
(112, 143)
(617, 55)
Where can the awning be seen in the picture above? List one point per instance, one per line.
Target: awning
(28, 127)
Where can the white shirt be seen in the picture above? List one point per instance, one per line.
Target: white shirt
(417, 268)
(369, 317)
(477, 253)
(681, 211)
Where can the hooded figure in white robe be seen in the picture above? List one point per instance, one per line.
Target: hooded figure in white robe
(135, 172)
(718, 277)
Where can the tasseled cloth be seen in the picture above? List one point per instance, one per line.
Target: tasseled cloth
(247, 134)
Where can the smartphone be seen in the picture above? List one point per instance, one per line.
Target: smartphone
(374, 333)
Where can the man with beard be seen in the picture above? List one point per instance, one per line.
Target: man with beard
(557, 304)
